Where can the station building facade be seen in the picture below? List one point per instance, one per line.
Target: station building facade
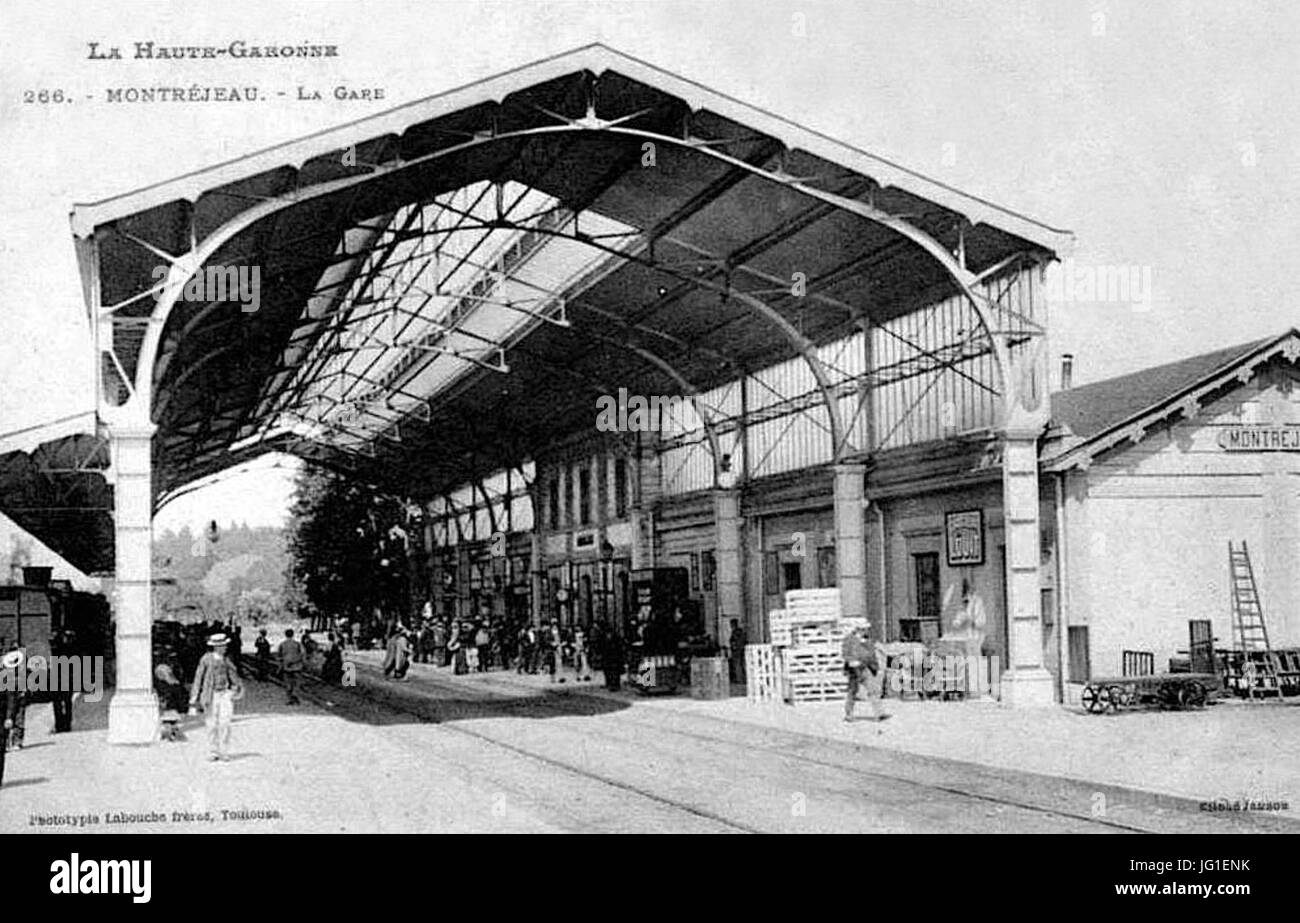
(1154, 474)
(1144, 479)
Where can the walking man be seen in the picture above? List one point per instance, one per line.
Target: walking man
(15, 714)
(581, 664)
(11, 663)
(216, 687)
(611, 657)
(527, 641)
(62, 645)
(737, 643)
(263, 647)
(864, 668)
(292, 661)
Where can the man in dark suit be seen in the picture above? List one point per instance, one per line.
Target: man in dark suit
(10, 664)
(62, 645)
(863, 667)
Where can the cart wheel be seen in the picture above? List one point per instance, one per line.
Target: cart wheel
(1116, 696)
(1091, 698)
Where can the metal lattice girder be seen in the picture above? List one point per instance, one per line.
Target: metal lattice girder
(750, 164)
(806, 347)
(705, 412)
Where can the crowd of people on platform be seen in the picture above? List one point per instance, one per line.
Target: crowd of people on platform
(562, 651)
(485, 644)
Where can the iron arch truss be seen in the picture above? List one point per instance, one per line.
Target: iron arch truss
(725, 236)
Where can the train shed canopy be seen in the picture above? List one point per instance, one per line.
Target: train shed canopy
(445, 288)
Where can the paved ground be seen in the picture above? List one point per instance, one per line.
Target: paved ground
(501, 752)
(318, 772)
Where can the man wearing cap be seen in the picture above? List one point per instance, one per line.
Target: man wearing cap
(62, 644)
(15, 712)
(216, 687)
(863, 667)
(11, 663)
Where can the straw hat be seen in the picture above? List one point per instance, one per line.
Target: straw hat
(12, 660)
(218, 639)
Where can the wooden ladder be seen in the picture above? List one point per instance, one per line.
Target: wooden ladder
(1259, 668)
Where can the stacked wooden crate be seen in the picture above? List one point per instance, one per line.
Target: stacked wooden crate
(813, 629)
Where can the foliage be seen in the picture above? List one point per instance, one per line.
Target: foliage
(238, 572)
(348, 547)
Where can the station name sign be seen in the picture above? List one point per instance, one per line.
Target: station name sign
(1260, 438)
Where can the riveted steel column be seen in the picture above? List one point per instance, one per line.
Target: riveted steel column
(646, 490)
(133, 711)
(729, 527)
(851, 541)
(537, 576)
(1026, 683)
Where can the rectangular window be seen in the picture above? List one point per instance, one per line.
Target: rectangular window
(924, 625)
(620, 488)
(1080, 669)
(569, 491)
(771, 574)
(791, 576)
(553, 504)
(584, 496)
(708, 570)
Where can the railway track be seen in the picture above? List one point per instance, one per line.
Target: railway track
(551, 703)
(317, 692)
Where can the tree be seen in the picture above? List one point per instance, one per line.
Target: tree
(346, 556)
(256, 607)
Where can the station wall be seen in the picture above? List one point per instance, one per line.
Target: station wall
(1148, 526)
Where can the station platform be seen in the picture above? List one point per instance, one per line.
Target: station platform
(506, 752)
(293, 769)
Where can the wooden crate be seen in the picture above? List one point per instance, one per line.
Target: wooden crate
(778, 627)
(820, 658)
(822, 603)
(764, 673)
(816, 687)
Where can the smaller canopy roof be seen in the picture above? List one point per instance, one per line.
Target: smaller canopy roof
(58, 493)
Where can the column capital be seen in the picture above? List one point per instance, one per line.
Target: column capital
(726, 503)
(850, 468)
(1021, 425)
(127, 424)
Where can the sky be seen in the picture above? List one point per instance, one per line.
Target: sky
(1163, 135)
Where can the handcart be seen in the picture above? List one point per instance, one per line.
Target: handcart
(1164, 690)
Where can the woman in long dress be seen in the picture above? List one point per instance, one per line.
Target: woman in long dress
(457, 645)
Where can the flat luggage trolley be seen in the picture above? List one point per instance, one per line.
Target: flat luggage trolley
(1167, 690)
